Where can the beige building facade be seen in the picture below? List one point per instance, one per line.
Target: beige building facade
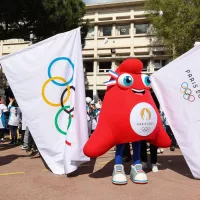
(11, 46)
(118, 30)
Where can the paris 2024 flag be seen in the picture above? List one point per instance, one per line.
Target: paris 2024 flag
(177, 87)
(47, 80)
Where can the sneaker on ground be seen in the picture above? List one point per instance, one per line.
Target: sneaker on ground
(23, 147)
(158, 151)
(172, 148)
(154, 168)
(137, 175)
(119, 176)
(161, 150)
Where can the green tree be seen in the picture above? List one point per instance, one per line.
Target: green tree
(179, 26)
(40, 18)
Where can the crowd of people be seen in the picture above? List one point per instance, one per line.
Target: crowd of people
(13, 123)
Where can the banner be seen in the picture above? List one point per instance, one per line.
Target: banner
(177, 87)
(47, 80)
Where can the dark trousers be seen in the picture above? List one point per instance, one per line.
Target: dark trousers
(171, 135)
(31, 142)
(13, 130)
(127, 151)
(1, 133)
(153, 151)
(22, 132)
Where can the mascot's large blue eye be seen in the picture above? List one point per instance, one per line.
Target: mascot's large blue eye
(128, 80)
(146, 80)
(125, 80)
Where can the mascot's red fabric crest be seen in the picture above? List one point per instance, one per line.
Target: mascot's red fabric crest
(128, 113)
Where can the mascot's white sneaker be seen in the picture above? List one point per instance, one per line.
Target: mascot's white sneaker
(138, 175)
(119, 176)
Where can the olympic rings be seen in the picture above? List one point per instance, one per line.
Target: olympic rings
(56, 120)
(145, 129)
(53, 62)
(61, 99)
(187, 92)
(43, 89)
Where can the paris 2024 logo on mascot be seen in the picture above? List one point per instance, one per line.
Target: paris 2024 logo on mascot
(128, 114)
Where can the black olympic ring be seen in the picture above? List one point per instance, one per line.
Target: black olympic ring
(145, 129)
(61, 100)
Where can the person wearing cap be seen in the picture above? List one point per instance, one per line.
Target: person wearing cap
(88, 110)
(98, 108)
(94, 115)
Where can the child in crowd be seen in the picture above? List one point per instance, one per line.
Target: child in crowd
(93, 116)
(14, 119)
(3, 109)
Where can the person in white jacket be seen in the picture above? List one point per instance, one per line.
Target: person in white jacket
(14, 119)
(98, 108)
(3, 109)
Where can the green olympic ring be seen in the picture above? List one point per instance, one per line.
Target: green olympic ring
(56, 120)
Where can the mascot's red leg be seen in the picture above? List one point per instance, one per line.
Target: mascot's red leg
(93, 148)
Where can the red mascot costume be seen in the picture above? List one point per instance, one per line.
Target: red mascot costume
(128, 113)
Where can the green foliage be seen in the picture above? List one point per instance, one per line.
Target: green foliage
(179, 26)
(42, 18)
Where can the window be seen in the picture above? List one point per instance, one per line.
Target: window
(90, 32)
(106, 31)
(141, 28)
(164, 62)
(88, 66)
(145, 64)
(89, 93)
(101, 94)
(104, 66)
(159, 63)
(124, 30)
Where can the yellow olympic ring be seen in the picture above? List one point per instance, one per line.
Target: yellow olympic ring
(44, 86)
(182, 90)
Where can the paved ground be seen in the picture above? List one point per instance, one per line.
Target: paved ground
(23, 178)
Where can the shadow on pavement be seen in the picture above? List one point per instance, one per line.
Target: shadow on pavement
(4, 147)
(106, 171)
(175, 163)
(86, 168)
(5, 160)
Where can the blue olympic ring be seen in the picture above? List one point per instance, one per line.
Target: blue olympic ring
(182, 85)
(53, 62)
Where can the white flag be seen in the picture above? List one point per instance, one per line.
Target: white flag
(47, 80)
(177, 87)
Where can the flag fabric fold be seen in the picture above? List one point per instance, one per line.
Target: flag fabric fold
(177, 87)
(47, 80)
